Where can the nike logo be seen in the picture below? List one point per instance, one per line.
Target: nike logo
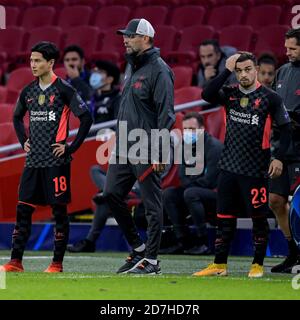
(29, 100)
(59, 194)
(232, 98)
(258, 205)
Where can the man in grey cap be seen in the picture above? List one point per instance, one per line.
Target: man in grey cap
(147, 103)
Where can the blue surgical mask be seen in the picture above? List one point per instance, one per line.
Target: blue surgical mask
(189, 136)
(96, 80)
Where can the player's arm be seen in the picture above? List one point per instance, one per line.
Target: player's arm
(213, 92)
(18, 117)
(281, 117)
(80, 110)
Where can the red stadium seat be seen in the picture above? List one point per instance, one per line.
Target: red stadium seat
(131, 3)
(191, 37)
(3, 94)
(18, 79)
(205, 3)
(92, 3)
(84, 36)
(239, 37)
(6, 112)
(112, 45)
(165, 37)
(264, 15)
(17, 3)
(166, 3)
(183, 76)
(74, 16)
(187, 94)
(111, 16)
(37, 17)
(186, 16)
(216, 124)
(11, 41)
(155, 14)
(283, 3)
(245, 3)
(56, 3)
(12, 14)
(61, 72)
(8, 135)
(224, 16)
(271, 39)
(47, 33)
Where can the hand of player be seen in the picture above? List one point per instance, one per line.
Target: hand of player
(27, 146)
(58, 149)
(158, 167)
(275, 169)
(72, 71)
(231, 61)
(209, 72)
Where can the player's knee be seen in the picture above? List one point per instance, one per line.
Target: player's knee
(276, 202)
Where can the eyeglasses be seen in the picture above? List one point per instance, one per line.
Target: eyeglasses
(131, 36)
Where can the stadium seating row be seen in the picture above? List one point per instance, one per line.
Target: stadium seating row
(177, 47)
(180, 17)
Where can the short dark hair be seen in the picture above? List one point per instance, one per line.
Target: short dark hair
(293, 33)
(244, 56)
(212, 42)
(267, 58)
(195, 115)
(110, 68)
(74, 48)
(47, 49)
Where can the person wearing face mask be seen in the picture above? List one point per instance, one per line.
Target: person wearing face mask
(196, 195)
(105, 100)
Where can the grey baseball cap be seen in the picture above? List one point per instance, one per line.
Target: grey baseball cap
(138, 26)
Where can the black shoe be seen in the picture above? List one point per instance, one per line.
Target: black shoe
(285, 266)
(132, 261)
(98, 198)
(198, 250)
(146, 268)
(175, 249)
(82, 246)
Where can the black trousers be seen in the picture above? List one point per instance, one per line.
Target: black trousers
(119, 182)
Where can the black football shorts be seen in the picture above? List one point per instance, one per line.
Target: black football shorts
(45, 186)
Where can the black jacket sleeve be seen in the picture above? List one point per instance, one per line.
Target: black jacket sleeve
(213, 92)
(163, 98)
(284, 141)
(18, 117)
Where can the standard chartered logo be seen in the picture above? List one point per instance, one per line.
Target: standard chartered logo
(296, 278)
(255, 120)
(52, 116)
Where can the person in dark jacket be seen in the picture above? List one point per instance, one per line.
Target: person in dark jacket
(196, 195)
(147, 103)
(77, 75)
(105, 100)
(287, 85)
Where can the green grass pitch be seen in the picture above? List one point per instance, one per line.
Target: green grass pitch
(92, 276)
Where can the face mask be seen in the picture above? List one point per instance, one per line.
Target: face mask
(189, 137)
(96, 80)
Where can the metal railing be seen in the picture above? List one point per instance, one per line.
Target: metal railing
(112, 123)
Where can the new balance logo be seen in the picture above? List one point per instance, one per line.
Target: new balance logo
(255, 120)
(52, 116)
